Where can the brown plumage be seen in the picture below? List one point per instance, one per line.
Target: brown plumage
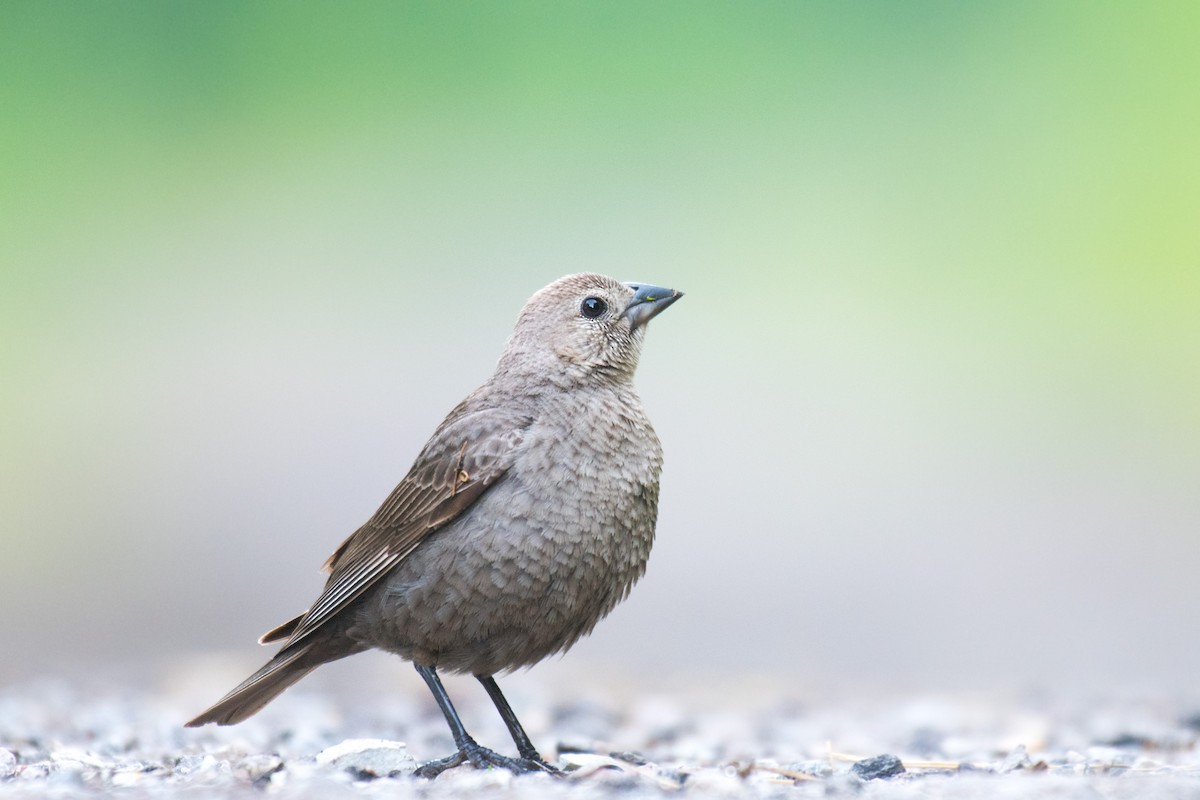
(526, 518)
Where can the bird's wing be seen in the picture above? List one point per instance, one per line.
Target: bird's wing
(468, 453)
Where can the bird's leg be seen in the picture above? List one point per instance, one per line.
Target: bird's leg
(468, 749)
(524, 746)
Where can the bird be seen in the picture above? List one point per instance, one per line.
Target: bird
(525, 519)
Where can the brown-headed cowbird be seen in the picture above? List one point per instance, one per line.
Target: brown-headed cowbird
(525, 519)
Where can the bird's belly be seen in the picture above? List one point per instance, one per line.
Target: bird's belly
(506, 585)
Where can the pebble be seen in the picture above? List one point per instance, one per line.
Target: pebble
(369, 758)
(67, 743)
(1017, 759)
(258, 768)
(883, 766)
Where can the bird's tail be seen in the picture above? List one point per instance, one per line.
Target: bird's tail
(287, 667)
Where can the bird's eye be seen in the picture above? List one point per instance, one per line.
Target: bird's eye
(593, 307)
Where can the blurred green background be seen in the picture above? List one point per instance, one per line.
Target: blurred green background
(931, 407)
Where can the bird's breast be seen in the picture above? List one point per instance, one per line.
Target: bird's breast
(541, 556)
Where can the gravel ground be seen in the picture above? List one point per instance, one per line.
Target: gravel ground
(63, 739)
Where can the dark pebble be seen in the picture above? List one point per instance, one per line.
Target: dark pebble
(884, 766)
(1128, 740)
(630, 757)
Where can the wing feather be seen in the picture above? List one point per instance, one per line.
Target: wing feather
(468, 454)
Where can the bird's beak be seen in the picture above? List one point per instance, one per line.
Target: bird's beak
(647, 302)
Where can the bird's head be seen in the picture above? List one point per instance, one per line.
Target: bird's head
(584, 325)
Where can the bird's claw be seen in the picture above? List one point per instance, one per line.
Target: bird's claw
(432, 769)
(480, 757)
(538, 764)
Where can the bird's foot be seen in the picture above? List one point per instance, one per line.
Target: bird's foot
(432, 769)
(539, 764)
(480, 757)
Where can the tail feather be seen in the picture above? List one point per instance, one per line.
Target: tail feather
(281, 631)
(260, 688)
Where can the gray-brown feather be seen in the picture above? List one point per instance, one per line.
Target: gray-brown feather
(526, 518)
(541, 557)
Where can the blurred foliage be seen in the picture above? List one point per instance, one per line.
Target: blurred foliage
(1040, 151)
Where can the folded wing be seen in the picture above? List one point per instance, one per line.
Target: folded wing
(469, 453)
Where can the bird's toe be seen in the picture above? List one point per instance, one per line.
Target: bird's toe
(432, 769)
